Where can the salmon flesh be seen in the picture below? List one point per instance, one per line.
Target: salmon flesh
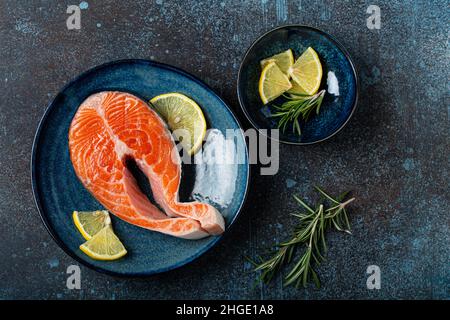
(110, 128)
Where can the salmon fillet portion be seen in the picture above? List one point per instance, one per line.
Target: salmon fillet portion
(111, 127)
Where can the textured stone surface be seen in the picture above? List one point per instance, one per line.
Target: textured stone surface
(394, 154)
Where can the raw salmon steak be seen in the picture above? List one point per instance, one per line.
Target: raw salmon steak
(110, 128)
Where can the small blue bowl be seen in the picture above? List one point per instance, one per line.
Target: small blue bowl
(335, 111)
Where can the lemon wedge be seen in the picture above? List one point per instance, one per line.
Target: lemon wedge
(272, 83)
(284, 60)
(104, 245)
(184, 117)
(306, 73)
(89, 223)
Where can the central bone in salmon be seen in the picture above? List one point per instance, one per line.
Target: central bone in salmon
(110, 127)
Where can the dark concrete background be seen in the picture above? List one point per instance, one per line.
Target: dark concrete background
(394, 154)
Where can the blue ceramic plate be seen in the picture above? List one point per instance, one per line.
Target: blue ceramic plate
(335, 111)
(57, 190)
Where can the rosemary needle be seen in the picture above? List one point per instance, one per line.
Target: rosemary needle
(310, 232)
(298, 107)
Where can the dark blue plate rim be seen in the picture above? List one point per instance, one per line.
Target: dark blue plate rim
(34, 186)
(338, 45)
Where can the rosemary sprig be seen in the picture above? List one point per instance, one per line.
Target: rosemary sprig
(297, 107)
(310, 231)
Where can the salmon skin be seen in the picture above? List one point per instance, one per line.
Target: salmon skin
(112, 127)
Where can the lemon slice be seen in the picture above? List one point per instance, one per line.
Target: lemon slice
(272, 83)
(184, 117)
(306, 73)
(90, 222)
(104, 245)
(284, 60)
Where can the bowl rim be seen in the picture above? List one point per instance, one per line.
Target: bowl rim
(37, 197)
(338, 45)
